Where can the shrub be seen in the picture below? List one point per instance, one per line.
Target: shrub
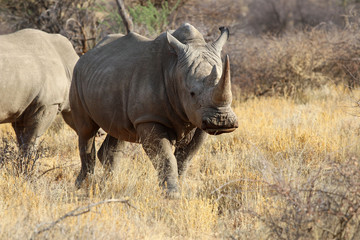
(71, 18)
(150, 17)
(288, 65)
(326, 206)
(277, 16)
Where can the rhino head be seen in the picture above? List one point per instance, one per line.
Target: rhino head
(204, 81)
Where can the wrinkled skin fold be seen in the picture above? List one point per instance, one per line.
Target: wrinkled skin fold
(163, 93)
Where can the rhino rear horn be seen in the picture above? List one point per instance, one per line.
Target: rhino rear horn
(175, 44)
(212, 77)
(220, 42)
(222, 91)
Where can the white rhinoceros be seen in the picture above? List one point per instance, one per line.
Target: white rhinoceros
(35, 75)
(166, 92)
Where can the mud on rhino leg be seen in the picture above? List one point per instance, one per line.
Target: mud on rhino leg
(109, 151)
(156, 143)
(185, 152)
(30, 127)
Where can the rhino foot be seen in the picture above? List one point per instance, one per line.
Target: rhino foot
(79, 180)
(172, 194)
(171, 189)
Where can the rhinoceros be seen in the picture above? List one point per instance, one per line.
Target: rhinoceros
(163, 93)
(35, 74)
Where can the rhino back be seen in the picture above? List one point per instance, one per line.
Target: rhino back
(108, 39)
(36, 70)
(120, 85)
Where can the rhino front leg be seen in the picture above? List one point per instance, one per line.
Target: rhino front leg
(156, 143)
(110, 150)
(185, 152)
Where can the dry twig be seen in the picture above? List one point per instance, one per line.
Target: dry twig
(76, 212)
(51, 169)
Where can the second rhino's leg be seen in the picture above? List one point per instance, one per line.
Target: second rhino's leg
(109, 151)
(155, 141)
(29, 128)
(27, 139)
(185, 152)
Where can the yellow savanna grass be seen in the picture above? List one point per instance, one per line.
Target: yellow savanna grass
(225, 188)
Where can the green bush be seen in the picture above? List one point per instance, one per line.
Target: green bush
(111, 21)
(151, 19)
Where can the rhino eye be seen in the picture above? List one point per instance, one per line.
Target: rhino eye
(192, 94)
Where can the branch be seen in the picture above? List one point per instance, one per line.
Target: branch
(51, 169)
(76, 212)
(125, 16)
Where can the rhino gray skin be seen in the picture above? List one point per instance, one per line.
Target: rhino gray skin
(36, 71)
(160, 93)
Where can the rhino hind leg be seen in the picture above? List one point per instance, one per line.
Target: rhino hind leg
(109, 151)
(185, 152)
(157, 145)
(28, 130)
(86, 130)
(67, 116)
(26, 138)
(88, 158)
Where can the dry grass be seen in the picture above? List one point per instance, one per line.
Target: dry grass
(226, 193)
(291, 170)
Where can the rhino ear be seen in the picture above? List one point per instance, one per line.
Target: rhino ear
(175, 45)
(224, 36)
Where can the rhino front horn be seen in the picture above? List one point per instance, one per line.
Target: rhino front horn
(220, 42)
(222, 91)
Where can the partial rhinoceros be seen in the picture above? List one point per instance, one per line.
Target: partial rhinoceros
(35, 75)
(161, 93)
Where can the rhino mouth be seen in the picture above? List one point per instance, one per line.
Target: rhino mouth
(218, 131)
(219, 124)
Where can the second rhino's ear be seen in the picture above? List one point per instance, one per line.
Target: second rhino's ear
(175, 45)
